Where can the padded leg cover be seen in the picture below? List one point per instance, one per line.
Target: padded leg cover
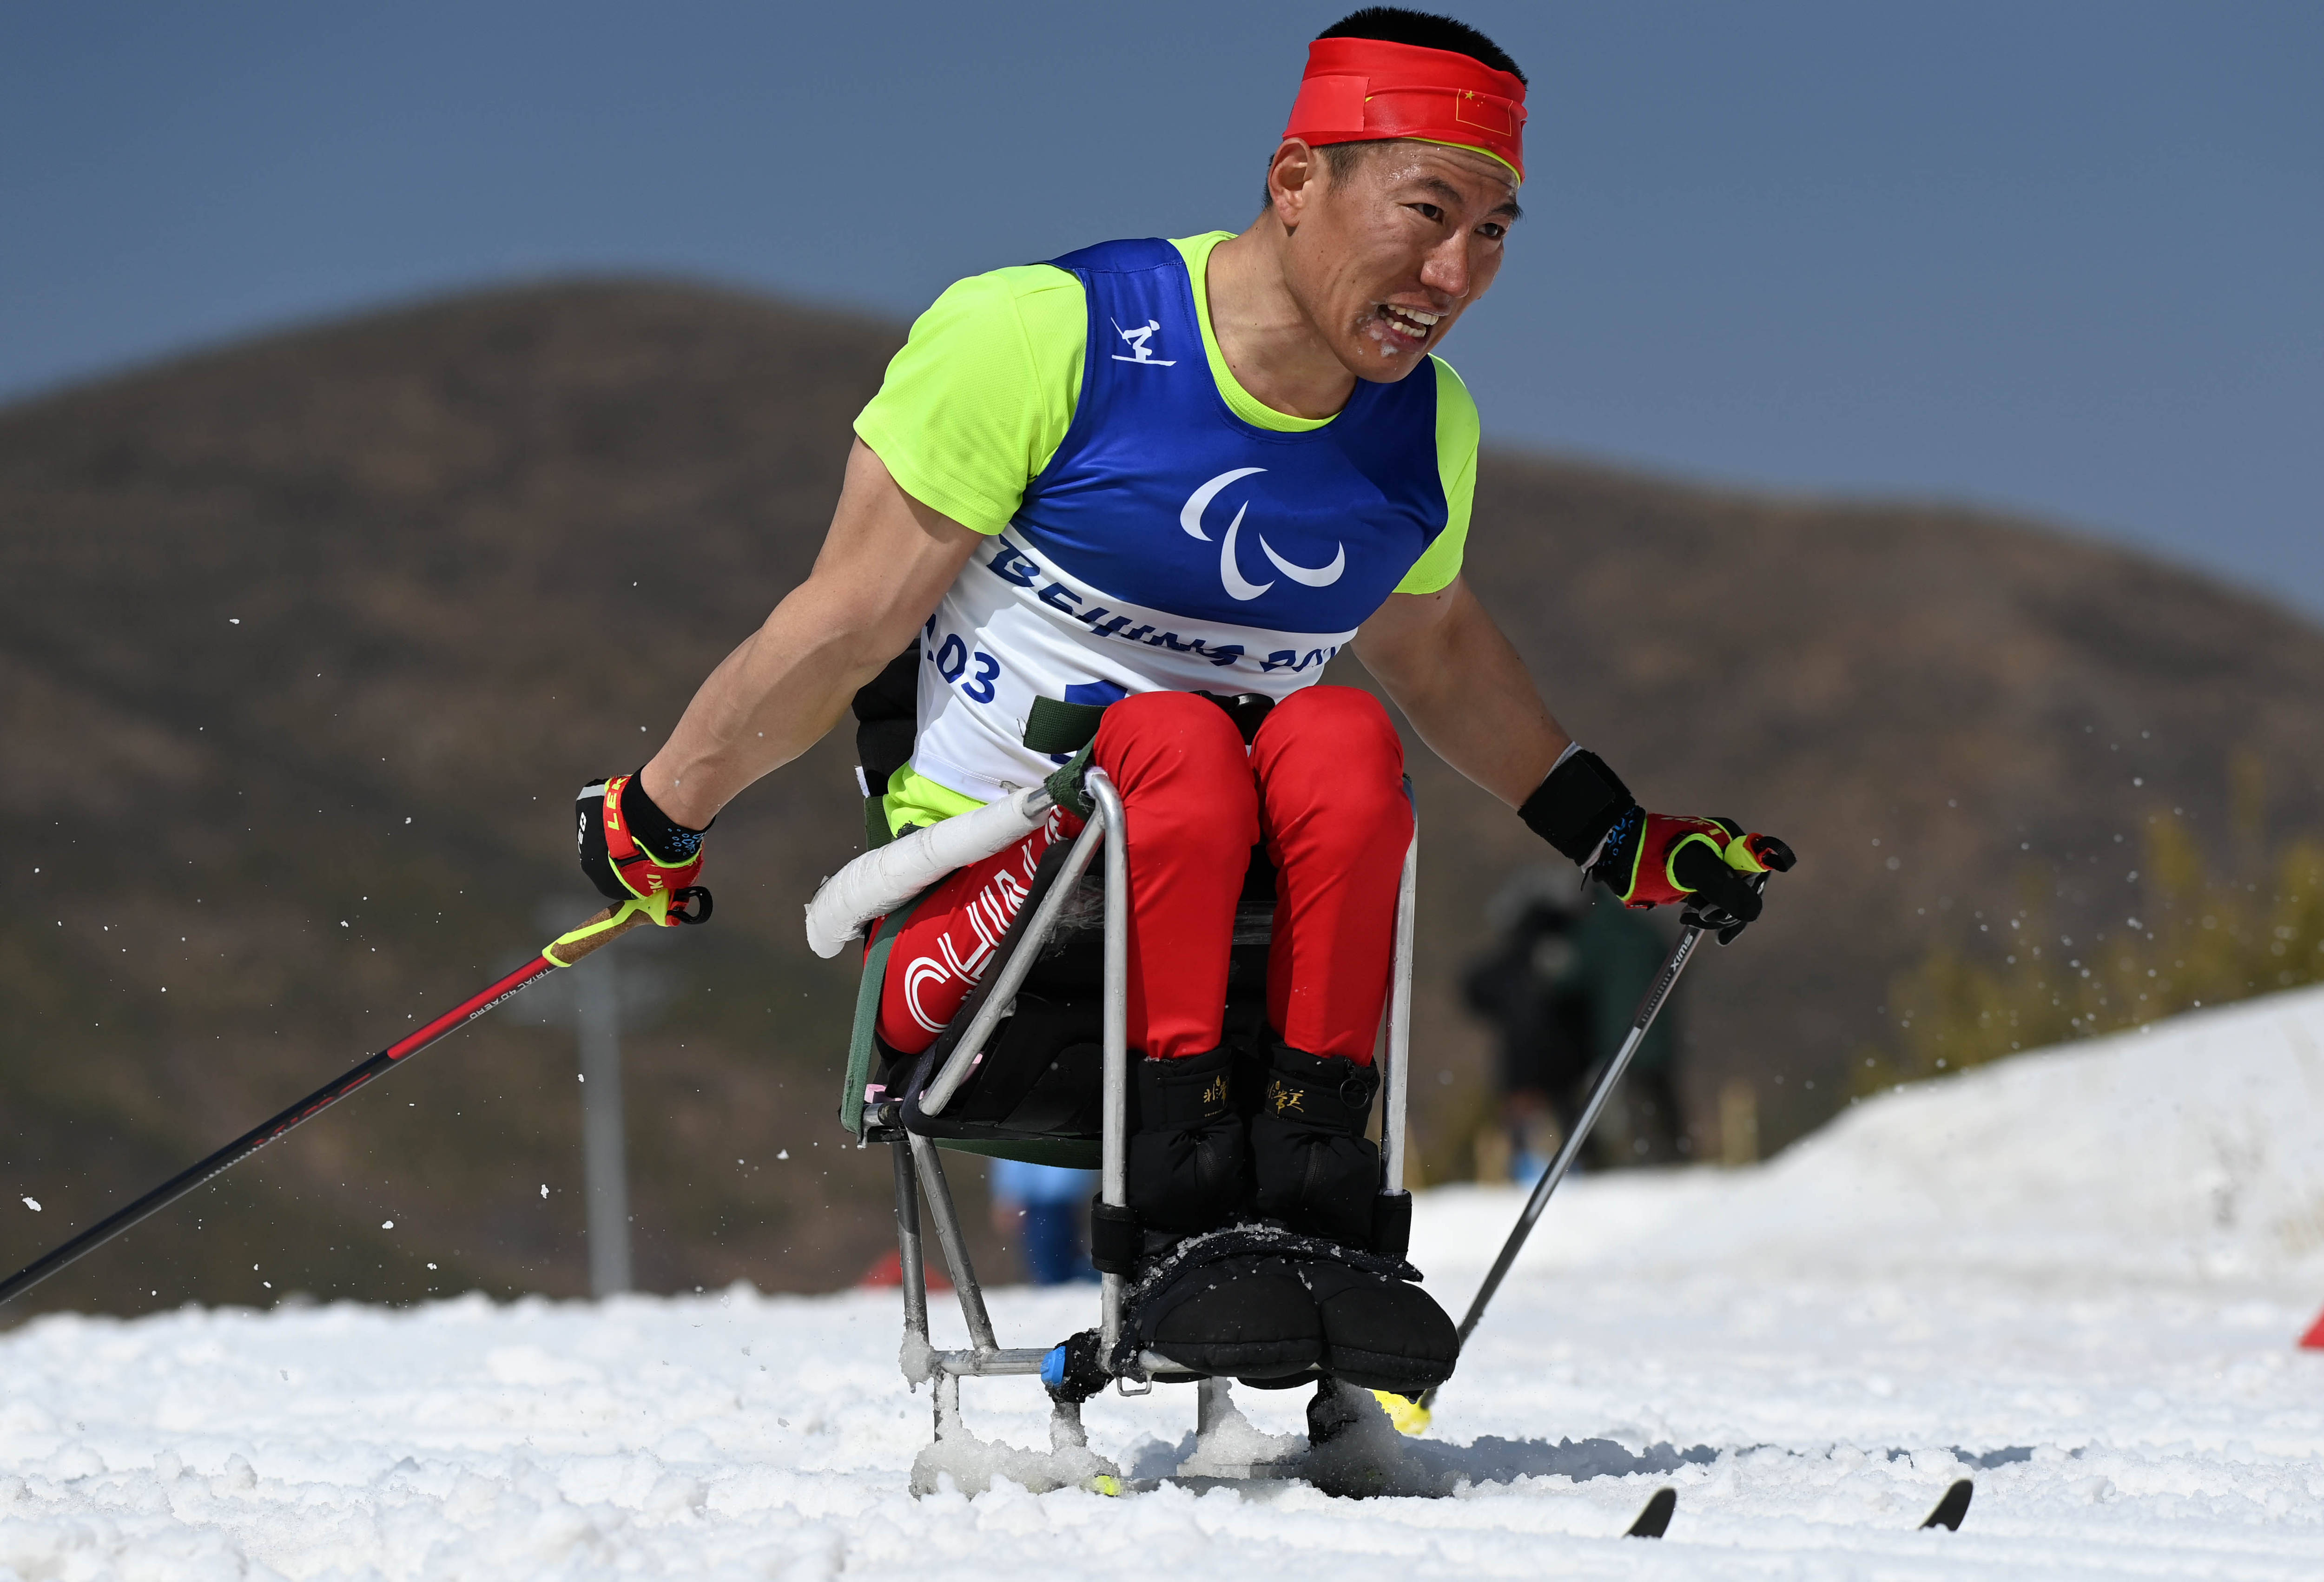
(1189, 1156)
(1260, 1303)
(1316, 1171)
(1250, 1317)
(1380, 1332)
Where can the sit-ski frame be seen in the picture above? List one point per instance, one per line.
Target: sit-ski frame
(920, 1171)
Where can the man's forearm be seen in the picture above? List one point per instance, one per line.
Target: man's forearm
(1465, 690)
(886, 561)
(768, 702)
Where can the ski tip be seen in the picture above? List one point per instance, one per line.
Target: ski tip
(1409, 1413)
(1655, 1519)
(1951, 1508)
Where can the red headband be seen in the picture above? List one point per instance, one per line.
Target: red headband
(1367, 90)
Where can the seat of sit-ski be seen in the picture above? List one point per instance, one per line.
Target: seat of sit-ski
(1037, 1092)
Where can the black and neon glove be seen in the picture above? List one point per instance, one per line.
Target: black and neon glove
(632, 851)
(1652, 859)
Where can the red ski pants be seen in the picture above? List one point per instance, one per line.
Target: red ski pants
(1322, 785)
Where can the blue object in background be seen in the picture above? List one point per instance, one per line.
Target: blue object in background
(1049, 1198)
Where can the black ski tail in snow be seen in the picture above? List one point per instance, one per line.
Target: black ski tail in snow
(1655, 1519)
(1951, 1508)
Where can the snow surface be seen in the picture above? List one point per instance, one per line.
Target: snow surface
(2077, 1275)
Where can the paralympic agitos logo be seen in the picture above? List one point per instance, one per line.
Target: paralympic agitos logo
(1237, 585)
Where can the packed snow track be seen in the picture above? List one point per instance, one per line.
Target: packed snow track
(2077, 1277)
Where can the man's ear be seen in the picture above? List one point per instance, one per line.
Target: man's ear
(1294, 178)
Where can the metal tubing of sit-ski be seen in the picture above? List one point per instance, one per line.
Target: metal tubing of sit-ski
(1398, 1075)
(1113, 1175)
(991, 1364)
(955, 1244)
(1003, 995)
(305, 1110)
(1648, 1008)
(908, 1246)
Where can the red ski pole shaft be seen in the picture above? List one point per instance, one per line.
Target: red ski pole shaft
(570, 950)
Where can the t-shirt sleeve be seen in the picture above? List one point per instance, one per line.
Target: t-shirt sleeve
(982, 393)
(1457, 431)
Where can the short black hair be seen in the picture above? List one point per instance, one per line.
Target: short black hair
(1393, 24)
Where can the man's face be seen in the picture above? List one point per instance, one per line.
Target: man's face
(1387, 251)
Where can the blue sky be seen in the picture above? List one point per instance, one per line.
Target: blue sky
(2059, 257)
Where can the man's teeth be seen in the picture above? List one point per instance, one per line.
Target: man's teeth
(1413, 317)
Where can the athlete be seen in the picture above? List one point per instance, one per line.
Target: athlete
(1135, 500)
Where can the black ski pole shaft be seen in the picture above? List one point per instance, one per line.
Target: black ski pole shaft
(319, 1101)
(1648, 1009)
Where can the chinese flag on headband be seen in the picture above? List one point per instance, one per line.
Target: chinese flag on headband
(2314, 1339)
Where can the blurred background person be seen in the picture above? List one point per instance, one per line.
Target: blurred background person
(1040, 1207)
(1558, 986)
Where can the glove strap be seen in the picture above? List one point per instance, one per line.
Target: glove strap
(1574, 807)
(633, 820)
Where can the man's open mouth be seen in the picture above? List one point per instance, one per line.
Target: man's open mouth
(1406, 326)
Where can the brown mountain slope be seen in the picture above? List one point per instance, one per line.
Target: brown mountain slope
(307, 641)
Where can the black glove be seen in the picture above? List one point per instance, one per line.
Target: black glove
(632, 851)
(1649, 859)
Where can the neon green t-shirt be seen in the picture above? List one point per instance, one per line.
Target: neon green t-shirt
(982, 395)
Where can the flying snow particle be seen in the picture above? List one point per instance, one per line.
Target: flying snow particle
(387, 1225)
(783, 1153)
(431, 1265)
(233, 620)
(544, 1189)
(343, 923)
(34, 1204)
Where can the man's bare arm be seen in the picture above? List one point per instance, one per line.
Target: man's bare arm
(1464, 689)
(884, 564)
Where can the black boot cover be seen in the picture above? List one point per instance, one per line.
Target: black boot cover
(1316, 1171)
(1271, 1308)
(1248, 1317)
(1189, 1156)
(1380, 1331)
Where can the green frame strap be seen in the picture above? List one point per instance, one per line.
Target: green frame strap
(867, 1015)
(1055, 726)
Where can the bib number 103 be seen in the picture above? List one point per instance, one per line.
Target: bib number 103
(973, 670)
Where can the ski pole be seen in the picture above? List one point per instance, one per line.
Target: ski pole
(1648, 1008)
(563, 952)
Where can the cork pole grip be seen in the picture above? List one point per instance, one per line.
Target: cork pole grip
(568, 954)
